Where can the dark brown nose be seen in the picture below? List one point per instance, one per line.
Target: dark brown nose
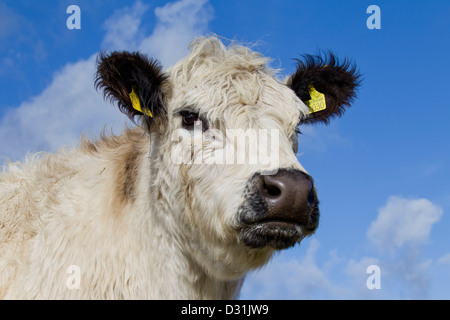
(290, 196)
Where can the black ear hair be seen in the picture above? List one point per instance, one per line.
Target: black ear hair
(119, 73)
(337, 81)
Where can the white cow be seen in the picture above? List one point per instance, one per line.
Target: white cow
(178, 206)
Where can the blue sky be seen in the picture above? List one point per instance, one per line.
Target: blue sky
(381, 171)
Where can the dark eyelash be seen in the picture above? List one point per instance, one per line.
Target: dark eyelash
(297, 131)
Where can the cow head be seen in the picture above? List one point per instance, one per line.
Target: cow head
(225, 133)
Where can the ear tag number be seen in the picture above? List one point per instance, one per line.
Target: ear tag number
(317, 102)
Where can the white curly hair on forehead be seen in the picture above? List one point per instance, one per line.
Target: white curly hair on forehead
(220, 80)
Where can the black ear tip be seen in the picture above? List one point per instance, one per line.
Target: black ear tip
(323, 62)
(338, 80)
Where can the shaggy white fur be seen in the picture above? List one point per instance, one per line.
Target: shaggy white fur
(134, 224)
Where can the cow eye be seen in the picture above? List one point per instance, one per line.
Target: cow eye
(189, 118)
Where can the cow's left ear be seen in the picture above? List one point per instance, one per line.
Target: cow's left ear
(324, 84)
(135, 83)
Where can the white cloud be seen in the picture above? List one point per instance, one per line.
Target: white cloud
(400, 232)
(123, 28)
(403, 222)
(70, 105)
(178, 24)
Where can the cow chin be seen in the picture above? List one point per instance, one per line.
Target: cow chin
(276, 234)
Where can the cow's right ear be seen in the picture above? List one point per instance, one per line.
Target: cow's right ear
(134, 82)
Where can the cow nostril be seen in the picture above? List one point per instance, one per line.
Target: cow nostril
(272, 190)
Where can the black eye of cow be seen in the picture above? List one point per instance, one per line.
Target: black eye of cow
(189, 118)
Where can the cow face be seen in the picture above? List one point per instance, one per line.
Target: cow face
(227, 142)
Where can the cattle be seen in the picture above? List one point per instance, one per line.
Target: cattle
(204, 187)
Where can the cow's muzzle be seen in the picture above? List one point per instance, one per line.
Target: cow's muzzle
(279, 210)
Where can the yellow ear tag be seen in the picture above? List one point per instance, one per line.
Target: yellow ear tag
(136, 104)
(317, 102)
